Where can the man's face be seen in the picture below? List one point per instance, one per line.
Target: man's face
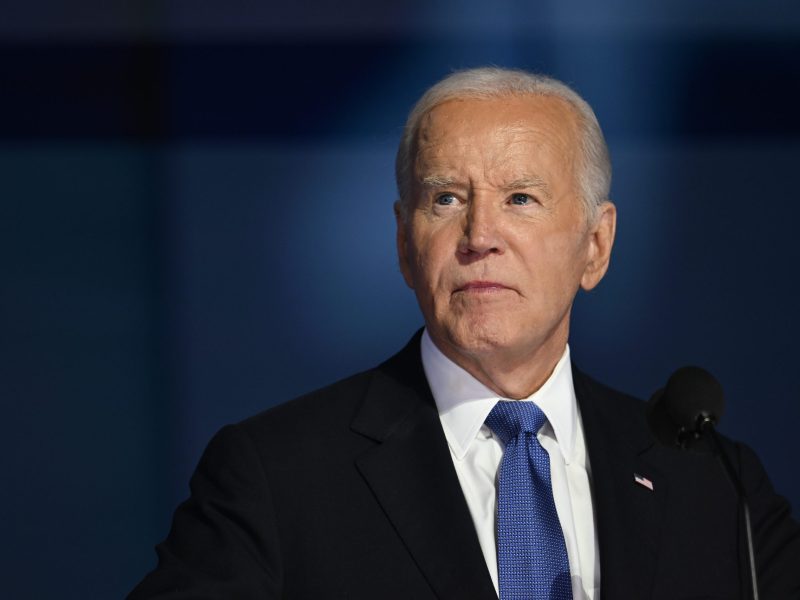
(497, 242)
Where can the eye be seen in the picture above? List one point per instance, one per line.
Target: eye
(446, 200)
(521, 199)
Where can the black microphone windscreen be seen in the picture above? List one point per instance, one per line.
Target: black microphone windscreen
(691, 393)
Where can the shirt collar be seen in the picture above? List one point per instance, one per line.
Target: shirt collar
(464, 402)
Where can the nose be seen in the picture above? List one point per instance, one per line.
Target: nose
(482, 234)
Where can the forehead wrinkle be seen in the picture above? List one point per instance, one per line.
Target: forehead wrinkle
(445, 143)
(524, 182)
(520, 136)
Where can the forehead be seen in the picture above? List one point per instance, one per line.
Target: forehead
(499, 133)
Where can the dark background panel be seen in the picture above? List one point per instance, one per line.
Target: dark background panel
(82, 443)
(195, 225)
(656, 87)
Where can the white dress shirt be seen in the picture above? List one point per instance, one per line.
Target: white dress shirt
(464, 403)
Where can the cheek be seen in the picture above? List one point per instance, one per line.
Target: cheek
(555, 263)
(568, 249)
(430, 263)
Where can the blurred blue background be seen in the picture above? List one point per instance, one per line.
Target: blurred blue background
(196, 224)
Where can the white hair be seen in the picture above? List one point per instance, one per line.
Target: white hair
(594, 167)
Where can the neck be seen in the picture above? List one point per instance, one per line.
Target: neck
(508, 372)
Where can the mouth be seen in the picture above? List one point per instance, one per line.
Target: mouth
(481, 287)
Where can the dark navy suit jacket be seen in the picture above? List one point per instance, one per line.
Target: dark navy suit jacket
(350, 492)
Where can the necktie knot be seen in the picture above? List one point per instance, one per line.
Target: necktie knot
(510, 418)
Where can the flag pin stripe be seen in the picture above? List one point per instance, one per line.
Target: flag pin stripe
(643, 481)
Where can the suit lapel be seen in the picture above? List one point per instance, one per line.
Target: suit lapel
(411, 473)
(627, 513)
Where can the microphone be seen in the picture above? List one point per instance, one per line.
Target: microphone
(679, 413)
(684, 413)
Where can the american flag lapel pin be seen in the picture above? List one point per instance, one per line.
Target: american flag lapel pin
(643, 481)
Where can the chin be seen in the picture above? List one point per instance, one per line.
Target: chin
(480, 337)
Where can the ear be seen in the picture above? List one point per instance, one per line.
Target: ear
(402, 244)
(601, 240)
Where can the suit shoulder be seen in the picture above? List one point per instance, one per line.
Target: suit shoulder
(608, 392)
(330, 411)
(620, 404)
(326, 407)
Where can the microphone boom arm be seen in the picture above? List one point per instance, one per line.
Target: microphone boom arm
(706, 426)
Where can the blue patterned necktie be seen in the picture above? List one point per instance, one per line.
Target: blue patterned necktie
(531, 554)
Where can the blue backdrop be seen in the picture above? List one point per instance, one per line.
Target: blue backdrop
(196, 225)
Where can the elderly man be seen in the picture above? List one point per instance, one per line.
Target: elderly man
(478, 461)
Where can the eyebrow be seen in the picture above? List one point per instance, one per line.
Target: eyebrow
(437, 181)
(527, 182)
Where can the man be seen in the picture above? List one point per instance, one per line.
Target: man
(407, 481)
